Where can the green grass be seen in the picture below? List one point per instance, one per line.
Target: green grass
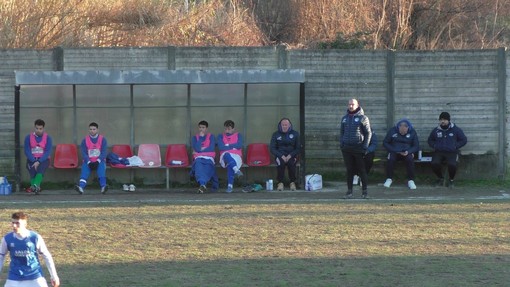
(275, 244)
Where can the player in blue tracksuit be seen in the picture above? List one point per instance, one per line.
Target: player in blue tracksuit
(93, 151)
(446, 140)
(24, 247)
(230, 144)
(204, 154)
(38, 146)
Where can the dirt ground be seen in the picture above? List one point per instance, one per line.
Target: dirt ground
(331, 191)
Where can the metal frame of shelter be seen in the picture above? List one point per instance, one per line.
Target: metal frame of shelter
(158, 77)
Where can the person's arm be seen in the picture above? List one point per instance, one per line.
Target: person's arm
(47, 149)
(388, 141)
(104, 150)
(28, 149)
(48, 259)
(212, 145)
(416, 143)
(297, 145)
(432, 139)
(3, 253)
(273, 145)
(221, 144)
(373, 143)
(367, 132)
(84, 151)
(196, 144)
(239, 143)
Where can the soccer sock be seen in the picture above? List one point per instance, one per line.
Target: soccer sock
(38, 179)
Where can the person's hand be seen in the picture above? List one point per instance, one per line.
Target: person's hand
(93, 165)
(36, 164)
(55, 282)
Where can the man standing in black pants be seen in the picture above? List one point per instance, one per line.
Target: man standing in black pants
(355, 135)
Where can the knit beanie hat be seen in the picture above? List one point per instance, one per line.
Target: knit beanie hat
(445, 116)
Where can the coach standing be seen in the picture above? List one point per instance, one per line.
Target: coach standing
(355, 134)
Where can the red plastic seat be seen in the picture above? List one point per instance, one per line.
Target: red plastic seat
(66, 156)
(178, 154)
(124, 151)
(258, 155)
(150, 155)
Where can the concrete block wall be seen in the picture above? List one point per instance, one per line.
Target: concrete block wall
(471, 85)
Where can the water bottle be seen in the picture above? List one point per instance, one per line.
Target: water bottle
(176, 162)
(269, 185)
(257, 162)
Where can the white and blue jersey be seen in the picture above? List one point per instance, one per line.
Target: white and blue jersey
(24, 253)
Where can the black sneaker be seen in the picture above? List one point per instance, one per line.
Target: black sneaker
(439, 182)
(104, 189)
(37, 190)
(202, 189)
(364, 195)
(348, 195)
(451, 185)
(78, 189)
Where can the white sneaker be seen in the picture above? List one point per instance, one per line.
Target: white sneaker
(132, 187)
(388, 182)
(355, 180)
(125, 187)
(411, 184)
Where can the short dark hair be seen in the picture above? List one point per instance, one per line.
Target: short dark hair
(229, 123)
(19, 215)
(203, 123)
(93, 124)
(39, 122)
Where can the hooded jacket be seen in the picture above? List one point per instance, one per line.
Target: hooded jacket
(450, 139)
(355, 132)
(395, 142)
(283, 144)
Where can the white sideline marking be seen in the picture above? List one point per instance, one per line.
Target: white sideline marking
(269, 200)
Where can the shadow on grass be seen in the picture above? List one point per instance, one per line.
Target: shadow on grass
(490, 270)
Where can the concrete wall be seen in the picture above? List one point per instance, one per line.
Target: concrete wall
(471, 85)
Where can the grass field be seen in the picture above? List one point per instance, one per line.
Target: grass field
(254, 242)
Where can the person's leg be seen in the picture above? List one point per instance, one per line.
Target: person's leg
(437, 158)
(350, 168)
(291, 168)
(101, 174)
(43, 166)
(280, 170)
(409, 161)
(230, 164)
(451, 161)
(369, 161)
(85, 173)
(32, 172)
(390, 164)
(360, 163)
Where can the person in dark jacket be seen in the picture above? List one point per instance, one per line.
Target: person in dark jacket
(402, 143)
(446, 140)
(285, 146)
(355, 136)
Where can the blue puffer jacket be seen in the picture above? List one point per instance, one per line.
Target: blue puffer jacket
(395, 142)
(355, 132)
(450, 139)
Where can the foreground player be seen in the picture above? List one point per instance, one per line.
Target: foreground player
(24, 246)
